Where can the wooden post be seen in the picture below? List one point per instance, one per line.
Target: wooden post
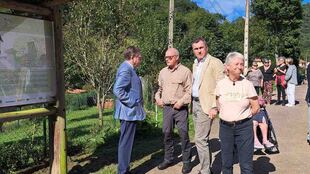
(171, 16)
(59, 160)
(11, 4)
(246, 36)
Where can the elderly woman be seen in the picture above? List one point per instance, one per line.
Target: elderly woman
(280, 71)
(291, 81)
(237, 102)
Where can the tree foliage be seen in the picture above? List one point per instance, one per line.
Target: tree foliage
(104, 28)
(283, 20)
(94, 32)
(305, 37)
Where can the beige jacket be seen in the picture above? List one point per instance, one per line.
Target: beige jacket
(212, 72)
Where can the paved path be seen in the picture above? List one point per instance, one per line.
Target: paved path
(290, 124)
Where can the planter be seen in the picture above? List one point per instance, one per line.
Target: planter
(108, 104)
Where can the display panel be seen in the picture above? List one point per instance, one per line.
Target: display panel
(27, 61)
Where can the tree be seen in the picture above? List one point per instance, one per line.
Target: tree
(305, 30)
(283, 20)
(93, 35)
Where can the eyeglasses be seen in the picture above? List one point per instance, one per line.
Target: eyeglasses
(169, 57)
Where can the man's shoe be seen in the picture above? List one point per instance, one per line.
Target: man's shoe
(165, 164)
(186, 168)
(278, 103)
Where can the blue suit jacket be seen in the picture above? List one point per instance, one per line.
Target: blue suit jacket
(128, 91)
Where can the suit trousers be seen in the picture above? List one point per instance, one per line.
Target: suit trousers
(202, 124)
(128, 130)
(180, 119)
(240, 136)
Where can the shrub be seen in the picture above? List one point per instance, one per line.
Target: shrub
(80, 101)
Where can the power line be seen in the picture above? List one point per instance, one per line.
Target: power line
(212, 5)
(219, 7)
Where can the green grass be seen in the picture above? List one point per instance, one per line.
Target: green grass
(93, 149)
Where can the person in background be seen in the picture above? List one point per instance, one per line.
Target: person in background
(128, 105)
(255, 76)
(259, 62)
(280, 71)
(174, 95)
(291, 81)
(308, 101)
(207, 71)
(260, 120)
(267, 89)
(237, 103)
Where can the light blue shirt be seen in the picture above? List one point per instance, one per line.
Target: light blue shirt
(196, 77)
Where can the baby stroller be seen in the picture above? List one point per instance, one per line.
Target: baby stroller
(271, 136)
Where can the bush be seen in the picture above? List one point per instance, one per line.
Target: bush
(80, 101)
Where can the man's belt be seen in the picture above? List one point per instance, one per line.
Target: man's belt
(195, 98)
(233, 123)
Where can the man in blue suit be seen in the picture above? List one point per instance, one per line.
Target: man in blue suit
(128, 105)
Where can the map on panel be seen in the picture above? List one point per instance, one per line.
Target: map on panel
(27, 61)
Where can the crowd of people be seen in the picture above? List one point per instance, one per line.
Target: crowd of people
(213, 89)
(283, 75)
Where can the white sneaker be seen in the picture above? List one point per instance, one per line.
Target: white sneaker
(258, 146)
(268, 145)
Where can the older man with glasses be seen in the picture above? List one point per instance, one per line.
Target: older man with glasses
(174, 95)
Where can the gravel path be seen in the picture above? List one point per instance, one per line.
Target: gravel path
(290, 125)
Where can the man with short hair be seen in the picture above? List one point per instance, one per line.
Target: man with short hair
(128, 105)
(207, 71)
(174, 95)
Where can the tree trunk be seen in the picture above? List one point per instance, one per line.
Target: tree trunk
(1, 124)
(100, 108)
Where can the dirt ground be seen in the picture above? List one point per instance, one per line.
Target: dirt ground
(290, 125)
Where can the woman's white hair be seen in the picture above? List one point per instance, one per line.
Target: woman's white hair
(233, 55)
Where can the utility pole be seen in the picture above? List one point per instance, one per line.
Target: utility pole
(171, 16)
(246, 36)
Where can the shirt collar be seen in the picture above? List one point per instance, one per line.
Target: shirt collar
(203, 60)
(130, 64)
(175, 68)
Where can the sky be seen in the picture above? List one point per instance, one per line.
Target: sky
(231, 9)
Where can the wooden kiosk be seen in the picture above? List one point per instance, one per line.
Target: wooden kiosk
(49, 10)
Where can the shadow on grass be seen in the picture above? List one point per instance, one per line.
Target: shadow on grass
(147, 151)
(147, 141)
(92, 116)
(73, 135)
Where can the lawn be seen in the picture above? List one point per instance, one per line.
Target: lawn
(91, 149)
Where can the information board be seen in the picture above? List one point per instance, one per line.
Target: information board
(27, 61)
